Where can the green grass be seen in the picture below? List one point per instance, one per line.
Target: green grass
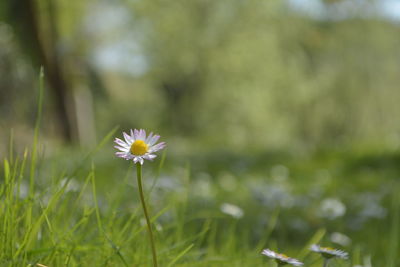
(83, 209)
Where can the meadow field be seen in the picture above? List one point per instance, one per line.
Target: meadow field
(214, 208)
(281, 124)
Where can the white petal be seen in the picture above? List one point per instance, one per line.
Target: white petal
(295, 262)
(157, 147)
(269, 253)
(123, 149)
(132, 136)
(148, 138)
(122, 155)
(135, 134)
(149, 156)
(141, 160)
(127, 138)
(153, 140)
(142, 135)
(120, 142)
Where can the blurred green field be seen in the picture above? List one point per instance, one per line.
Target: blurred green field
(217, 209)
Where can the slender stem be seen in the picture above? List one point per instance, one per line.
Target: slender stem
(326, 262)
(146, 214)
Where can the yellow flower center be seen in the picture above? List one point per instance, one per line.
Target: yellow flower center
(139, 148)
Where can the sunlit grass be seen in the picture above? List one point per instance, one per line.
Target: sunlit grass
(82, 209)
(84, 215)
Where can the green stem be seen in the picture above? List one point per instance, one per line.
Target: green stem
(326, 262)
(139, 179)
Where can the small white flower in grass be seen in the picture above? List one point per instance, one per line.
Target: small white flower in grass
(281, 259)
(329, 253)
(332, 208)
(340, 239)
(232, 210)
(137, 146)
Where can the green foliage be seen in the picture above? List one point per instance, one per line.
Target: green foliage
(222, 72)
(89, 214)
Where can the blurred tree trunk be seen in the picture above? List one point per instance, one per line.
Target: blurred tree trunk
(183, 95)
(22, 15)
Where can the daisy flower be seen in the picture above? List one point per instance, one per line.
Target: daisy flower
(329, 253)
(281, 259)
(137, 146)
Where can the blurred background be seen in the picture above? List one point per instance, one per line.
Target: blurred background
(249, 74)
(291, 103)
